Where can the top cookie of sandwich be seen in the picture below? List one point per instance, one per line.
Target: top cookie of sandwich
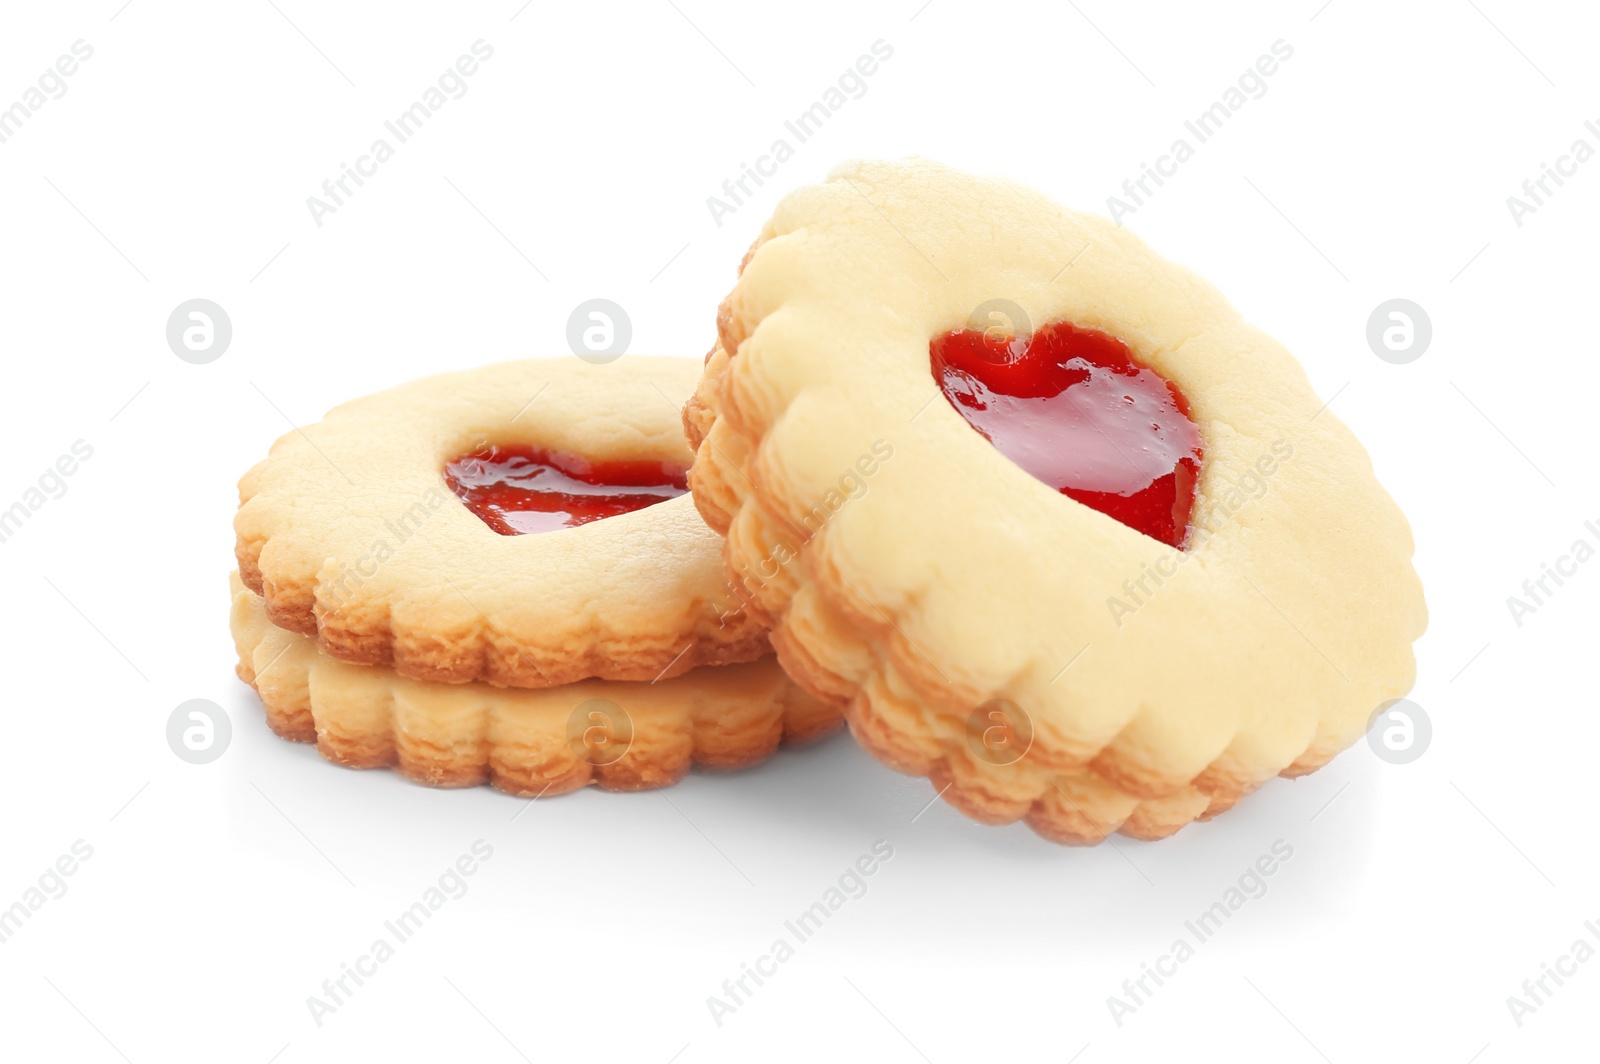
(389, 530)
(1067, 534)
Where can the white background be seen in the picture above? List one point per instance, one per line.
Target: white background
(219, 897)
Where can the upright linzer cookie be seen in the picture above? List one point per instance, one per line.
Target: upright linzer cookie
(387, 531)
(1063, 532)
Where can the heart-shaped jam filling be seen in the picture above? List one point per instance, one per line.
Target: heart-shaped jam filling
(1074, 408)
(520, 490)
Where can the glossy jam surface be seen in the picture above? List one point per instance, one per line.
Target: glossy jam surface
(1072, 407)
(521, 490)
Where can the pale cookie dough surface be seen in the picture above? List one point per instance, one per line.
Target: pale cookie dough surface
(352, 535)
(918, 588)
(618, 735)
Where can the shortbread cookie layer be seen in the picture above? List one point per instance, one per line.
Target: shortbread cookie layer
(623, 736)
(350, 532)
(1034, 657)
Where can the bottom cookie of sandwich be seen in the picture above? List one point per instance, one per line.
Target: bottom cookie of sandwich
(621, 736)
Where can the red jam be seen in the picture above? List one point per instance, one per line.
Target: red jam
(1072, 407)
(521, 490)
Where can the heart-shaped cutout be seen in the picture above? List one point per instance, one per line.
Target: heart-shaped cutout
(522, 490)
(1074, 408)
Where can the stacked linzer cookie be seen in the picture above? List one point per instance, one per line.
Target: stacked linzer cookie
(1031, 508)
(497, 576)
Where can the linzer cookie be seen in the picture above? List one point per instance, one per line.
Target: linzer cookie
(496, 576)
(619, 735)
(1058, 529)
(523, 524)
